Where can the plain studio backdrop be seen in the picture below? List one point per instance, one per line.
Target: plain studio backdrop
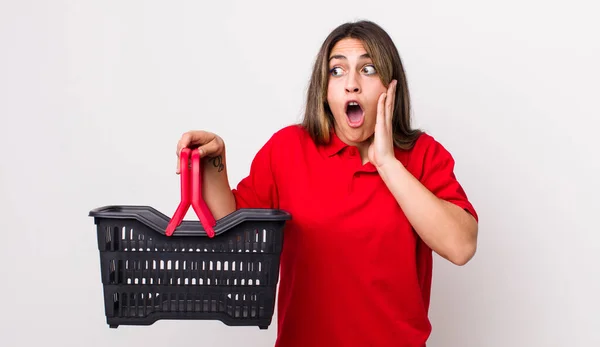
(94, 96)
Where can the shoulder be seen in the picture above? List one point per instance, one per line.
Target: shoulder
(289, 137)
(427, 154)
(292, 132)
(427, 145)
(286, 141)
(425, 142)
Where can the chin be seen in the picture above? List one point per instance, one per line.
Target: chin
(356, 135)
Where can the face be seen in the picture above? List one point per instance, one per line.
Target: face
(353, 89)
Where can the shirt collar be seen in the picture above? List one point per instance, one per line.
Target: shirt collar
(334, 146)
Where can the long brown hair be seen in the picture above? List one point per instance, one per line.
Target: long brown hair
(318, 119)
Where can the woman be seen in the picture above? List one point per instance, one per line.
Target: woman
(370, 198)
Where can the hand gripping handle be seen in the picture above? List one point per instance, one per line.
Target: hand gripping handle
(191, 194)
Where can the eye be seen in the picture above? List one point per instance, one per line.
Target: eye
(369, 70)
(336, 71)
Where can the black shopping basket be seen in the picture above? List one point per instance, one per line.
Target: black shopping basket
(155, 268)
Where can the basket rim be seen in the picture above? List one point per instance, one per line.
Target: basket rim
(158, 221)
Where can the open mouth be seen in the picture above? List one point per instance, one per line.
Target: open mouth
(355, 113)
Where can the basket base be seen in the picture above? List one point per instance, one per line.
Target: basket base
(115, 322)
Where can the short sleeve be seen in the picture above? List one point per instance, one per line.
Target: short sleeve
(439, 177)
(258, 189)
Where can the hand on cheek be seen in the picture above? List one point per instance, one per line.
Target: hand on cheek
(381, 150)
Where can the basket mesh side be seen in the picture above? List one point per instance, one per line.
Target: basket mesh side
(131, 236)
(215, 271)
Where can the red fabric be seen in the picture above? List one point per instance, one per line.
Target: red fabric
(353, 271)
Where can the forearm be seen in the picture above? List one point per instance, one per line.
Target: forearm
(445, 227)
(216, 191)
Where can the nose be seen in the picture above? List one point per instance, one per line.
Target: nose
(352, 84)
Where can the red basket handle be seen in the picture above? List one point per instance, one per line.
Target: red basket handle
(206, 218)
(191, 194)
(186, 200)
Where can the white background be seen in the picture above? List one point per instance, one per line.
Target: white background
(94, 96)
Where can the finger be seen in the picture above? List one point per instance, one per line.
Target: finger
(381, 109)
(181, 144)
(389, 104)
(194, 139)
(178, 171)
(184, 142)
(198, 138)
(210, 149)
(179, 163)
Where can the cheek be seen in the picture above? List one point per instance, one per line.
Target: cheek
(378, 88)
(329, 93)
(334, 99)
(375, 94)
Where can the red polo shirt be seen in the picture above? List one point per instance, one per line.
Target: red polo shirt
(353, 271)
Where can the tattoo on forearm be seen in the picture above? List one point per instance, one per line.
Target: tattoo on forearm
(218, 163)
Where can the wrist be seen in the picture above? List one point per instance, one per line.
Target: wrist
(214, 165)
(390, 168)
(387, 163)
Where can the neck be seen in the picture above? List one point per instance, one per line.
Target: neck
(363, 147)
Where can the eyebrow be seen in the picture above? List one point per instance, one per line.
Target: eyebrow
(339, 56)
